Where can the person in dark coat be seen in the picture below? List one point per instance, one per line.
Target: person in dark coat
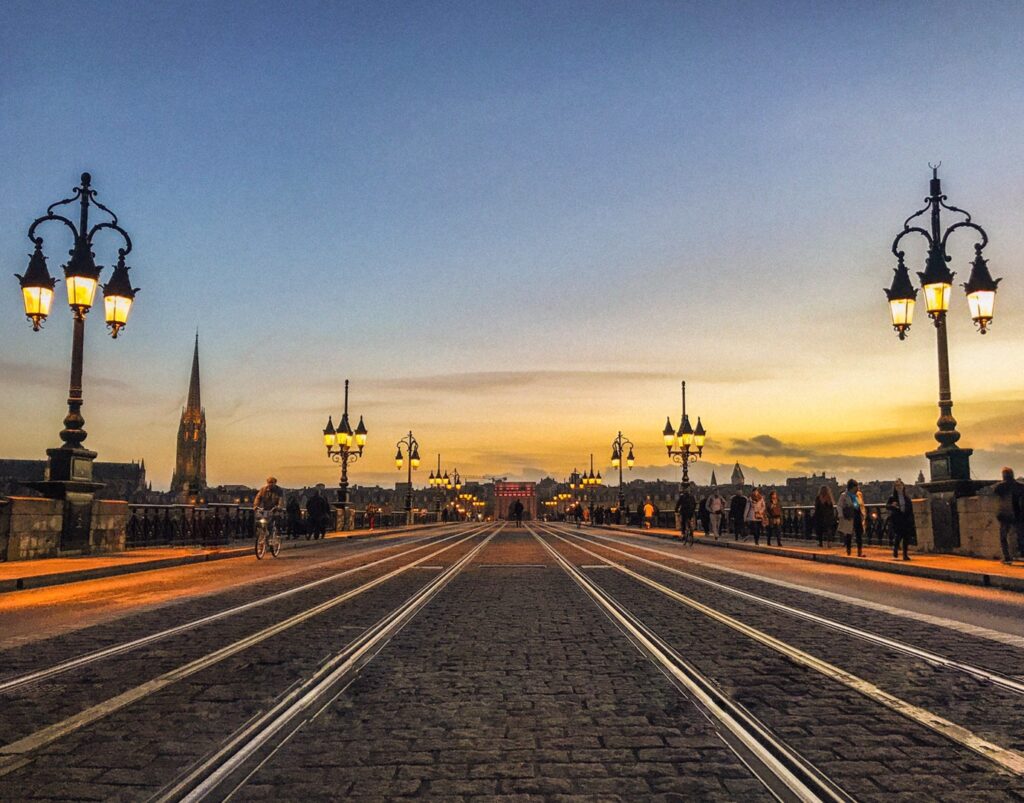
(738, 515)
(293, 517)
(901, 514)
(318, 513)
(824, 515)
(517, 512)
(1010, 513)
(686, 507)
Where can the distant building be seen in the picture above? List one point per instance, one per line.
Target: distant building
(714, 479)
(737, 476)
(190, 462)
(125, 481)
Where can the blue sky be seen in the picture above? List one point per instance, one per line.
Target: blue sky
(515, 226)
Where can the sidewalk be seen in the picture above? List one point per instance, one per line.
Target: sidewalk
(932, 565)
(24, 574)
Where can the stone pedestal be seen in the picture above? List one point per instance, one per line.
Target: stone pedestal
(33, 527)
(109, 525)
(923, 525)
(979, 528)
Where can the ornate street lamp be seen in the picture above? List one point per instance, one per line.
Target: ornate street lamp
(443, 484)
(949, 463)
(687, 445)
(591, 481)
(412, 449)
(344, 446)
(69, 469)
(620, 445)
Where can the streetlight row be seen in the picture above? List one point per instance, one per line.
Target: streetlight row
(70, 466)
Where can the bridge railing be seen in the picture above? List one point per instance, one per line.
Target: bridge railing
(187, 525)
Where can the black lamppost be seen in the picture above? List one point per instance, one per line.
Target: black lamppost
(344, 446)
(591, 481)
(687, 445)
(69, 469)
(950, 464)
(443, 484)
(619, 445)
(412, 449)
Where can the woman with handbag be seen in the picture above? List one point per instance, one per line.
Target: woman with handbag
(852, 516)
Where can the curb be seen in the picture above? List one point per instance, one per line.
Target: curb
(984, 579)
(62, 578)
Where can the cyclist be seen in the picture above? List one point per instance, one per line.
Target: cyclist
(269, 503)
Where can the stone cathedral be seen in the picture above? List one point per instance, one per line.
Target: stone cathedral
(190, 464)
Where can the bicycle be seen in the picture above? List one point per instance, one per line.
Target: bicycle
(268, 533)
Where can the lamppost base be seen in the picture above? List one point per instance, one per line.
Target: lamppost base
(69, 478)
(949, 467)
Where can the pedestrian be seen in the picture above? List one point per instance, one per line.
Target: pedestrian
(901, 517)
(293, 517)
(715, 505)
(517, 512)
(824, 515)
(738, 515)
(757, 515)
(577, 514)
(318, 513)
(704, 515)
(774, 513)
(648, 514)
(686, 507)
(853, 516)
(1010, 513)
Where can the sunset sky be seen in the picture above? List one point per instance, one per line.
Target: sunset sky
(516, 227)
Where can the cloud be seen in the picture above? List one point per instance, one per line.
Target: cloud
(767, 446)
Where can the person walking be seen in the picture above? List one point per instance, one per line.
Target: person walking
(738, 515)
(774, 513)
(901, 517)
(648, 514)
(852, 516)
(517, 512)
(757, 515)
(704, 515)
(686, 507)
(715, 505)
(824, 515)
(318, 514)
(1010, 513)
(577, 514)
(293, 518)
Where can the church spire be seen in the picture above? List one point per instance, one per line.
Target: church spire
(194, 404)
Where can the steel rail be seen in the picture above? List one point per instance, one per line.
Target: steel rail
(783, 771)
(936, 621)
(232, 765)
(16, 754)
(1006, 758)
(119, 649)
(977, 672)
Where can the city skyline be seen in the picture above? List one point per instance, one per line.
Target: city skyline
(519, 256)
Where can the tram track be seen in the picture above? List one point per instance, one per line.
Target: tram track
(10, 684)
(1003, 681)
(782, 770)
(221, 774)
(20, 752)
(1004, 758)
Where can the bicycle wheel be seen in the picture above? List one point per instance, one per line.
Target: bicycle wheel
(261, 543)
(275, 543)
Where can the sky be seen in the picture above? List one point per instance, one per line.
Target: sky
(516, 227)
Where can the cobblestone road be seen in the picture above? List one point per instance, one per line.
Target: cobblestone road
(487, 670)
